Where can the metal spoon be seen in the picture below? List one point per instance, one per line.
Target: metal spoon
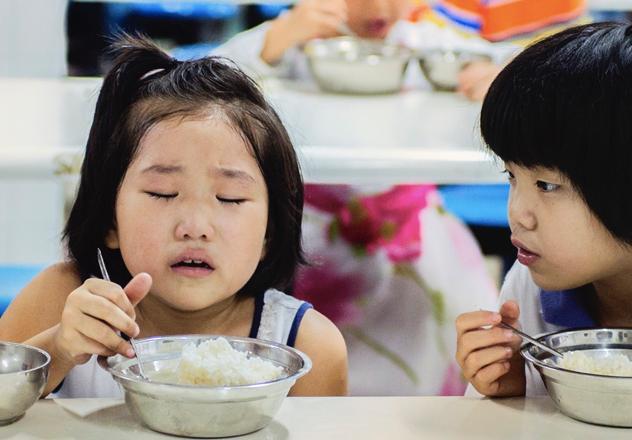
(533, 341)
(106, 277)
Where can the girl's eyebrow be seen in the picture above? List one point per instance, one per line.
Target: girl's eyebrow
(162, 169)
(229, 173)
(235, 174)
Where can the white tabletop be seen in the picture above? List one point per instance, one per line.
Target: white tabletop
(410, 137)
(350, 418)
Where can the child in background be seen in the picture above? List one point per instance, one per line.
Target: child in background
(191, 187)
(557, 116)
(497, 29)
(274, 48)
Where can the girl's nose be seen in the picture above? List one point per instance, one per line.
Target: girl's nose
(195, 225)
(520, 211)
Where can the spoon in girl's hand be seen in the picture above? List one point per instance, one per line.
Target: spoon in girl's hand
(532, 340)
(106, 277)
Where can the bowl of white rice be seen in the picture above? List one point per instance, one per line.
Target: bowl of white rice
(207, 385)
(592, 382)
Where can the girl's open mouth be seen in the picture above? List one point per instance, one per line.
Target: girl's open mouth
(525, 256)
(377, 28)
(192, 268)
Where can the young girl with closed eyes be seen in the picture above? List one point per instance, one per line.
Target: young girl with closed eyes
(191, 187)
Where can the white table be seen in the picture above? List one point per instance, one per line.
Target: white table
(350, 418)
(410, 137)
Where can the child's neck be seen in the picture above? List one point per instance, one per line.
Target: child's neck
(614, 301)
(232, 316)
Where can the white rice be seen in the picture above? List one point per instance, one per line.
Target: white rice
(216, 363)
(613, 365)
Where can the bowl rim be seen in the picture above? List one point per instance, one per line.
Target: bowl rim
(402, 51)
(104, 362)
(30, 370)
(525, 351)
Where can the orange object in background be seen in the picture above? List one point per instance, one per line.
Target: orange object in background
(497, 20)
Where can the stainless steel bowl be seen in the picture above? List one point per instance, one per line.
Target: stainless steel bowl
(357, 66)
(23, 375)
(593, 398)
(442, 67)
(203, 411)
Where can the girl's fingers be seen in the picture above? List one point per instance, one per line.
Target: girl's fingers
(486, 379)
(510, 312)
(138, 288)
(103, 334)
(475, 320)
(113, 293)
(482, 338)
(480, 359)
(103, 310)
(93, 347)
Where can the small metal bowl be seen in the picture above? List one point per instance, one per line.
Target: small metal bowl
(203, 411)
(23, 375)
(442, 67)
(593, 398)
(357, 66)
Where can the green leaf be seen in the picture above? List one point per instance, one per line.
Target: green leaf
(384, 351)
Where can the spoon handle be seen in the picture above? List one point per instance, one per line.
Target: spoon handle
(106, 277)
(533, 341)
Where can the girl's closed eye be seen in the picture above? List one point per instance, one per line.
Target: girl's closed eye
(546, 186)
(230, 200)
(163, 196)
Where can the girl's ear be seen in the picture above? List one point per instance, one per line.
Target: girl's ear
(112, 240)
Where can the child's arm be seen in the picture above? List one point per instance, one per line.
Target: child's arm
(307, 20)
(475, 79)
(321, 340)
(270, 48)
(490, 358)
(72, 321)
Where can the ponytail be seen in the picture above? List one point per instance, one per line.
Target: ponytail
(136, 61)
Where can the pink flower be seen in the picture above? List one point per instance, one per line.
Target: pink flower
(330, 292)
(453, 384)
(389, 220)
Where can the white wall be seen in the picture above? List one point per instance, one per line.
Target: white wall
(33, 38)
(40, 120)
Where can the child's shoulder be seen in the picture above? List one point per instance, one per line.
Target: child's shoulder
(39, 304)
(323, 342)
(51, 286)
(59, 278)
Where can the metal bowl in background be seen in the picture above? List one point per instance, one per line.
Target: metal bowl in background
(442, 67)
(203, 411)
(593, 398)
(357, 66)
(23, 375)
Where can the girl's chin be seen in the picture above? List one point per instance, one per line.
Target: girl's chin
(549, 283)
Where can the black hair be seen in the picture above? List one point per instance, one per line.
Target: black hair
(146, 86)
(565, 103)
